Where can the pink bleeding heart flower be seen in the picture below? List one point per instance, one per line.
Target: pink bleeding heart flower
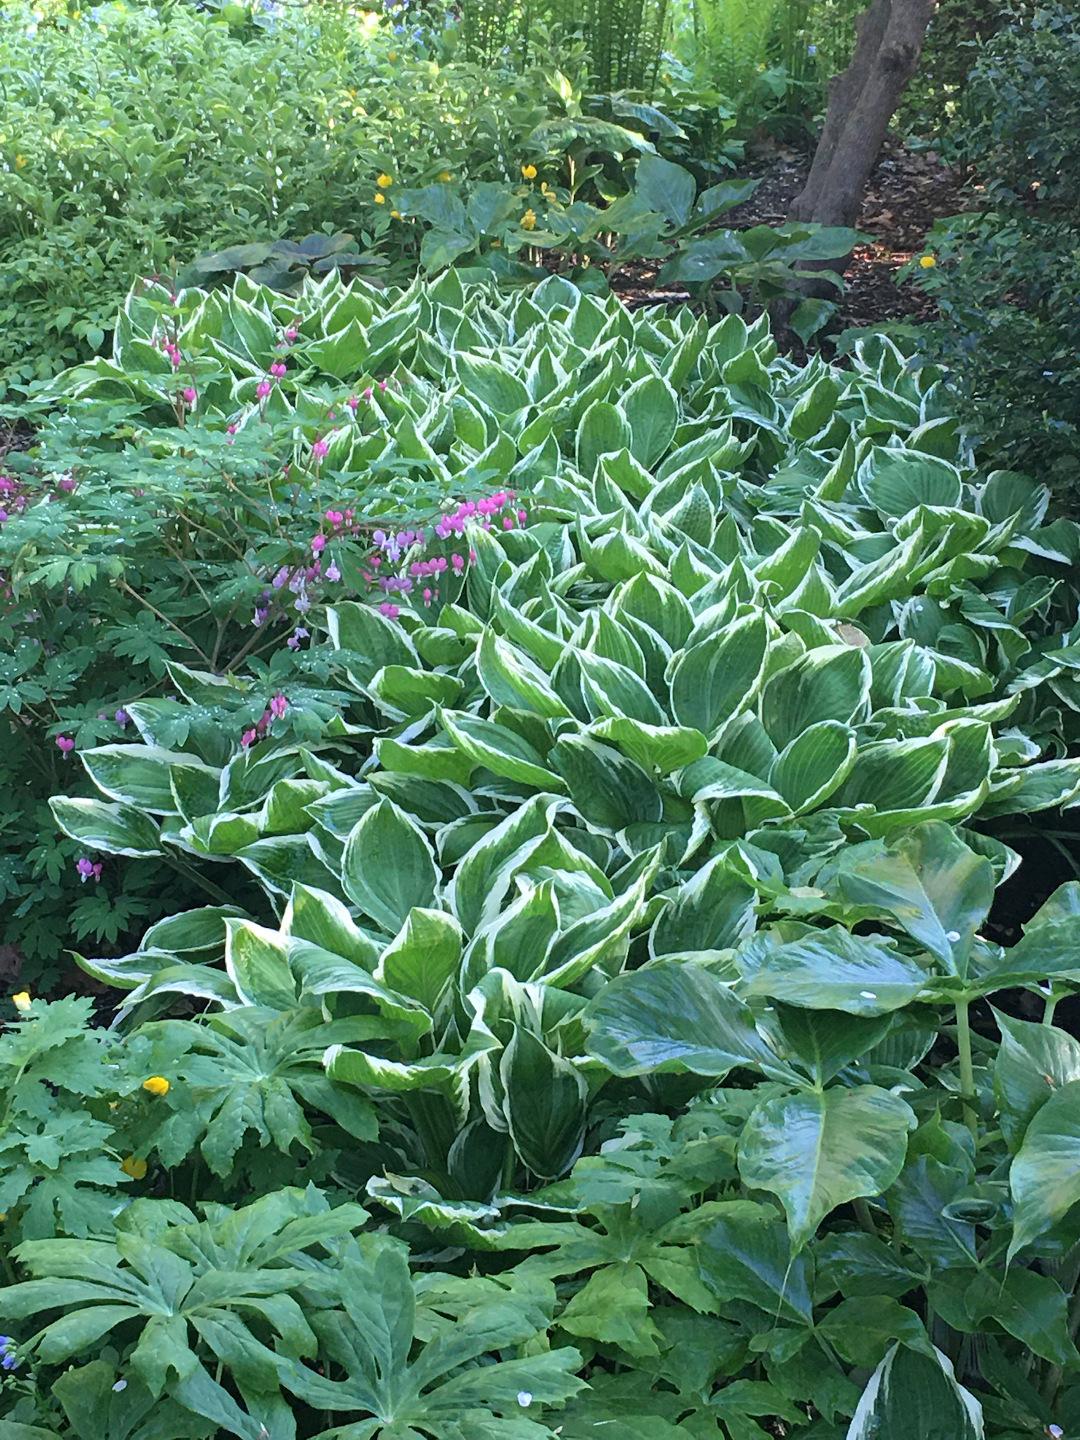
(318, 544)
(278, 369)
(262, 389)
(122, 718)
(390, 611)
(65, 744)
(320, 448)
(333, 574)
(85, 868)
(190, 396)
(248, 738)
(278, 706)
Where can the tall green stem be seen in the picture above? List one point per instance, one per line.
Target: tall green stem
(967, 1068)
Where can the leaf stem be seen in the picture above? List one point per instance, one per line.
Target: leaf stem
(967, 1069)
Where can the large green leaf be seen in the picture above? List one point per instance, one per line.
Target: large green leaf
(912, 1393)
(1045, 1174)
(818, 1150)
(938, 889)
(388, 866)
(544, 1105)
(673, 1016)
(835, 970)
(718, 677)
(831, 682)
(112, 829)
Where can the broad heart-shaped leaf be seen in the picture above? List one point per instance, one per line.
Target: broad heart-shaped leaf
(1032, 1062)
(814, 764)
(99, 825)
(603, 431)
(139, 774)
(257, 961)
(608, 789)
(673, 1016)
(718, 677)
(914, 1394)
(544, 1105)
(896, 482)
(818, 1150)
(658, 749)
(1030, 1306)
(443, 1392)
(931, 882)
(835, 970)
(388, 866)
(1045, 1174)
(652, 412)
(831, 682)
(666, 188)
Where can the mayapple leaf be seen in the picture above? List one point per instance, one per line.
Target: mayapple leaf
(1045, 1174)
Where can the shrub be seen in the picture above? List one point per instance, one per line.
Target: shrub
(610, 921)
(1007, 279)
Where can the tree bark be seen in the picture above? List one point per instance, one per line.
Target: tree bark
(862, 102)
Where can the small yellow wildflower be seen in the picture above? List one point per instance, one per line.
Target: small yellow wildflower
(21, 1001)
(395, 214)
(384, 181)
(379, 198)
(157, 1085)
(528, 220)
(927, 262)
(529, 172)
(20, 161)
(392, 56)
(445, 177)
(135, 1168)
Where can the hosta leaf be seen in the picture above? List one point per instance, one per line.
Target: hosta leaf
(1045, 1174)
(544, 1105)
(388, 866)
(814, 764)
(718, 677)
(911, 1393)
(499, 749)
(835, 970)
(112, 829)
(828, 683)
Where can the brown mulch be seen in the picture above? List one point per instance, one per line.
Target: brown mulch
(906, 194)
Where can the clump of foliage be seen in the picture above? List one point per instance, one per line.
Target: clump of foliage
(1007, 279)
(266, 125)
(590, 986)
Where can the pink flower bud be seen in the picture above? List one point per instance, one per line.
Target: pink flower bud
(248, 738)
(291, 334)
(262, 389)
(318, 544)
(278, 706)
(190, 396)
(278, 369)
(320, 448)
(65, 744)
(390, 611)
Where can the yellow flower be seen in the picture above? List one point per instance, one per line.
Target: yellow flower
(529, 172)
(21, 1001)
(927, 262)
(395, 214)
(157, 1085)
(392, 56)
(20, 161)
(445, 177)
(384, 181)
(379, 198)
(528, 220)
(135, 1168)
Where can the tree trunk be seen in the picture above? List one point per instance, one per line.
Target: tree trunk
(862, 102)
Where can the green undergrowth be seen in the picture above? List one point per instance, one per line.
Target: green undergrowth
(582, 1021)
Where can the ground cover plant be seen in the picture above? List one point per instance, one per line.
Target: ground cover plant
(578, 1016)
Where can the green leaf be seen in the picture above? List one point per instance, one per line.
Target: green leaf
(666, 188)
(818, 1150)
(835, 970)
(608, 790)
(1032, 1062)
(139, 775)
(388, 866)
(1045, 1174)
(112, 829)
(488, 382)
(423, 958)
(544, 1105)
(652, 412)
(1031, 1307)
(673, 1016)
(603, 431)
(257, 962)
(896, 482)
(712, 911)
(658, 749)
(860, 1329)
(932, 883)
(499, 749)
(831, 682)
(911, 1393)
(814, 764)
(718, 677)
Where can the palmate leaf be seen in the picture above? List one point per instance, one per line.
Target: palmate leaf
(256, 1070)
(445, 1391)
(214, 1284)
